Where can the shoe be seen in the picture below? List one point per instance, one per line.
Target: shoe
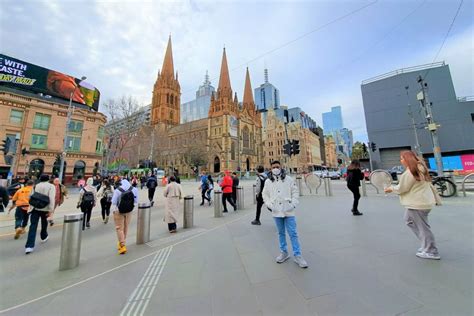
(29, 250)
(51, 222)
(225, 211)
(255, 222)
(210, 203)
(282, 257)
(88, 225)
(172, 231)
(201, 204)
(425, 255)
(152, 203)
(419, 250)
(357, 213)
(45, 240)
(235, 208)
(122, 250)
(119, 245)
(17, 233)
(301, 262)
(106, 219)
(23, 230)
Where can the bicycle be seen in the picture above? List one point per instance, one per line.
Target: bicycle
(444, 185)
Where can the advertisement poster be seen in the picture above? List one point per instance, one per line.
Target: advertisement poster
(18, 74)
(233, 125)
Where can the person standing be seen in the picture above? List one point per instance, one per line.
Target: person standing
(173, 194)
(418, 196)
(226, 185)
(41, 204)
(105, 194)
(21, 199)
(60, 193)
(123, 202)
(259, 185)
(151, 184)
(354, 176)
(235, 184)
(280, 194)
(204, 187)
(87, 200)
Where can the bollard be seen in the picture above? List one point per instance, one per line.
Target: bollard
(188, 216)
(143, 223)
(240, 198)
(217, 203)
(327, 186)
(364, 188)
(71, 241)
(298, 183)
(254, 194)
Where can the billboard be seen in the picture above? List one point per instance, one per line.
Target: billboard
(18, 74)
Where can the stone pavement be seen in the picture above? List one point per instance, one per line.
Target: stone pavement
(357, 265)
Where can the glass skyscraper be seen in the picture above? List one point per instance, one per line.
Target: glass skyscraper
(332, 121)
(267, 96)
(199, 108)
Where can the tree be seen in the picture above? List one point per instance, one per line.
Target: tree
(359, 151)
(195, 156)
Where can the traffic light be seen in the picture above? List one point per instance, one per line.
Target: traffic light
(295, 149)
(5, 145)
(24, 152)
(287, 148)
(373, 146)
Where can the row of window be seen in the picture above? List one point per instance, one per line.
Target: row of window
(42, 121)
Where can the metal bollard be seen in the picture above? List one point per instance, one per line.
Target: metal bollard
(254, 194)
(143, 223)
(240, 198)
(217, 203)
(327, 186)
(71, 241)
(188, 216)
(364, 188)
(298, 183)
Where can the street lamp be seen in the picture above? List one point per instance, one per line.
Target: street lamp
(68, 122)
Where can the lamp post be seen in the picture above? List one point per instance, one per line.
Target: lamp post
(68, 122)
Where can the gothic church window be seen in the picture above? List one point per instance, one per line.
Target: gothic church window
(246, 137)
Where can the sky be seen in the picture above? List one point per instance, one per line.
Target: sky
(317, 52)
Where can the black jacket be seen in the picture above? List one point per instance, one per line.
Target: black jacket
(3, 198)
(353, 177)
(235, 182)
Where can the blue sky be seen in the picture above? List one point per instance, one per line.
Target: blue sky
(120, 45)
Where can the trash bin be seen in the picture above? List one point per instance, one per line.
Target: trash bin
(188, 220)
(143, 223)
(71, 241)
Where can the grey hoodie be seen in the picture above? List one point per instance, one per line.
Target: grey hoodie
(125, 185)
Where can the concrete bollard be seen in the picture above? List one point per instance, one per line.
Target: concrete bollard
(298, 183)
(364, 188)
(254, 194)
(188, 216)
(240, 198)
(143, 223)
(71, 241)
(217, 203)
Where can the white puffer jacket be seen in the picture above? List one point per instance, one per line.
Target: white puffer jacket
(281, 196)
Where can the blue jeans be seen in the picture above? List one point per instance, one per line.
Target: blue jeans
(34, 219)
(290, 224)
(21, 218)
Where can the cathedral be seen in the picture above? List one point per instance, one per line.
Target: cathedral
(230, 138)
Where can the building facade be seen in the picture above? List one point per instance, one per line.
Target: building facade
(198, 108)
(332, 121)
(393, 115)
(39, 125)
(330, 151)
(267, 97)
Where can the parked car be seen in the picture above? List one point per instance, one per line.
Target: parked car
(334, 175)
(322, 173)
(395, 171)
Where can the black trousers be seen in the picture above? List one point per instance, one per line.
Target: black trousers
(171, 226)
(204, 196)
(355, 191)
(234, 194)
(259, 207)
(87, 210)
(105, 206)
(228, 197)
(151, 194)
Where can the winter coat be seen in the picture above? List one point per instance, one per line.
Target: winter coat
(173, 194)
(281, 196)
(226, 184)
(353, 177)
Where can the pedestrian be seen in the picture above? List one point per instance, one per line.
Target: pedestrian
(418, 196)
(235, 184)
(123, 202)
(41, 204)
(21, 199)
(226, 185)
(173, 194)
(280, 194)
(105, 194)
(354, 176)
(259, 185)
(142, 181)
(210, 188)
(87, 201)
(80, 182)
(151, 184)
(60, 193)
(4, 199)
(203, 187)
(176, 176)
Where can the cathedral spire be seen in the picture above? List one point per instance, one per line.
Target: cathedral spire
(224, 80)
(168, 69)
(248, 95)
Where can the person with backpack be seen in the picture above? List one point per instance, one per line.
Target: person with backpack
(41, 205)
(123, 202)
(151, 184)
(203, 187)
(87, 199)
(60, 194)
(105, 194)
(226, 185)
(173, 194)
(21, 199)
(260, 184)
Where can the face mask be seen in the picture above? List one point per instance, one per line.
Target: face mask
(276, 171)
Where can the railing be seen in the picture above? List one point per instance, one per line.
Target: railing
(403, 70)
(463, 187)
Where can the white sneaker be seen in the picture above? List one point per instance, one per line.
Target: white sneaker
(29, 250)
(301, 262)
(420, 249)
(45, 240)
(282, 257)
(425, 255)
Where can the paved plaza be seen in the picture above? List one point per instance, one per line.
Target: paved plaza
(362, 265)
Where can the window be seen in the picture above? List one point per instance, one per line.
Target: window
(98, 146)
(73, 143)
(38, 141)
(42, 121)
(101, 132)
(76, 127)
(16, 117)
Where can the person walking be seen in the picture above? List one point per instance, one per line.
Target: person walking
(259, 185)
(142, 181)
(123, 202)
(210, 188)
(151, 184)
(226, 185)
(80, 182)
(418, 196)
(354, 176)
(4, 198)
(280, 194)
(235, 184)
(105, 194)
(21, 199)
(60, 192)
(204, 187)
(173, 194)
(41, 204)
(87, 200)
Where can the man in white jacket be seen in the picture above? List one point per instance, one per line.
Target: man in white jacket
(280, 194)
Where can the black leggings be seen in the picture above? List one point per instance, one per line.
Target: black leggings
(87, 210)
(204, 196)
(105, 206)
(171, 226)
(228, 197)
(151, 194)
(356, 193)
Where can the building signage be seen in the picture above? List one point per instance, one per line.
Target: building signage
(18, 74)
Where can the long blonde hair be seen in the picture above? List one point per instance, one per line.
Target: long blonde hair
(416, 165)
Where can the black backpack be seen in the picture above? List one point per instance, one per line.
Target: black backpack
(39, 200)
(109, 195)
(152, 183)
(87, 198)
(126, 200)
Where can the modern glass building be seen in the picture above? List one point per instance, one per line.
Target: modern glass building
(332, 121)
(198, 108)
(267, 96)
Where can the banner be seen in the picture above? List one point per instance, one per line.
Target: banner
(18, 74)
(233, 124)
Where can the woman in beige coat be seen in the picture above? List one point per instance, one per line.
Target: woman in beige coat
(173, 194)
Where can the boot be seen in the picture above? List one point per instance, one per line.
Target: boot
(17, 233)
